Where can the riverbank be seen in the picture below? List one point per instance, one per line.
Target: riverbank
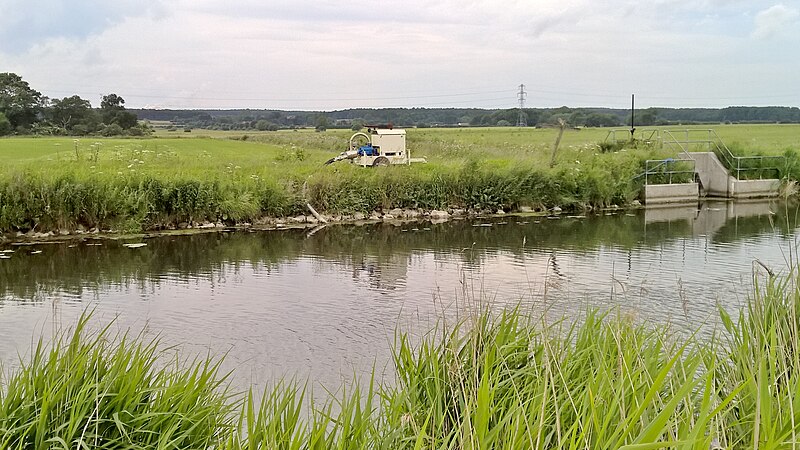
(396, 217)
(61, 185)
(494, 380)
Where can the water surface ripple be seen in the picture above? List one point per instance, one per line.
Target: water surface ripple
(325, 305)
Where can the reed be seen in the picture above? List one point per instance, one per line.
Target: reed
(496, 380)
(97, 390)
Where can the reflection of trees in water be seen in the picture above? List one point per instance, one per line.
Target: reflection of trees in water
(381, 252)
(386, 275)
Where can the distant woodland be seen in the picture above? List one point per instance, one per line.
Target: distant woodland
(252, 119)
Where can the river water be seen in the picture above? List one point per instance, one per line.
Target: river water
(324, 304)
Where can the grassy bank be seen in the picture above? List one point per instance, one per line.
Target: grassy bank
(500, 381)
(50, 184)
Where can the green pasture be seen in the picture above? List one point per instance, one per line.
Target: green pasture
(136, 184)
(207, 148)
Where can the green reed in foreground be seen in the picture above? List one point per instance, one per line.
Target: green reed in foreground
(494, 381)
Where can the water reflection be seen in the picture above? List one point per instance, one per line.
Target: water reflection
(326, 303)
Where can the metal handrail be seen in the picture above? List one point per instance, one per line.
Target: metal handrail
(652, 165)
(654, 135)
(714, 143)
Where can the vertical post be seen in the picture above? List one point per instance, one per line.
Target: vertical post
(633, 128)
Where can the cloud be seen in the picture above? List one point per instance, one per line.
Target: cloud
(333, 54)
(773, 20)
(27, 23)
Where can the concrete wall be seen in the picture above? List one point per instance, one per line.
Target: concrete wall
(753, 188)
(714, 177)
(717, 182)
(656, 194)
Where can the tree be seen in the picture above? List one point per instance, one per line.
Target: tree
(18, 102)
(71, 111)
(112, 102)
(602, 120)
(5, 125)
(266, 125)
(577, 117)
(113, 112)
(648, 117)
(321, 122)
(356, 124)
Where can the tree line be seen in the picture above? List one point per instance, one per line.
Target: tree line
(24, 110)
(251, 119)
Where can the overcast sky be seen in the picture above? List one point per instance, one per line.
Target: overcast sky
(333, 54)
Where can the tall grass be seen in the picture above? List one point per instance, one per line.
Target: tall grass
(101, 391)
(493, 381)
(136, 185)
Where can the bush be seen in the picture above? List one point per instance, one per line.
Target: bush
(610, 147)
(112, 130)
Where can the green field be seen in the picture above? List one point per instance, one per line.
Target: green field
(135, 184)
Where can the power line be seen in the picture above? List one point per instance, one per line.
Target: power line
(440, 99)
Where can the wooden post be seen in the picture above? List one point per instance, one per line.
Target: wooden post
(561, 125)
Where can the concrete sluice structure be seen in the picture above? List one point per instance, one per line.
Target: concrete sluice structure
(713, 180)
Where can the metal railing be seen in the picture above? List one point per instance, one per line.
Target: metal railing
(668, 171)
(708, 140)
(646, 135)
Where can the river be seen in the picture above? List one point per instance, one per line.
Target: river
(324, 304)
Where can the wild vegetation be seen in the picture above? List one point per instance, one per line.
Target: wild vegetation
(24, 110)
(51, 184)
(501, 380)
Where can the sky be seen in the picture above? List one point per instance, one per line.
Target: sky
(335, 54)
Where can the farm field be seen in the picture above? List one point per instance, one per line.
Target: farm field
(446, 145)
(150, 183)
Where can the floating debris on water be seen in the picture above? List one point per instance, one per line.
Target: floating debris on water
(6, 251)
(135, 245)
(35, 252)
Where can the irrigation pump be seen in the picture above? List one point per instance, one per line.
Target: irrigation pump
(381, 145)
